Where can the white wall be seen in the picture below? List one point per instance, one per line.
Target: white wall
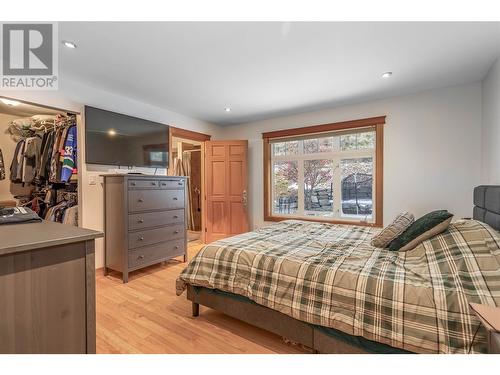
(432, 149)
(491, 126)
(72, 96)
(432, 155)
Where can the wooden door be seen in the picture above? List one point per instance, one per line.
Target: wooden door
(226, 189)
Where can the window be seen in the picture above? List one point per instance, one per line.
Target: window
(327, 172)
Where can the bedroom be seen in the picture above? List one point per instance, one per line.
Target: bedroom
(251, 188)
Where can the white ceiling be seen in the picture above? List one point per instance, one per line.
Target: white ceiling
(26, 110)
(269, 69)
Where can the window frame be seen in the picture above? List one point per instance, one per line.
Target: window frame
(376, 122)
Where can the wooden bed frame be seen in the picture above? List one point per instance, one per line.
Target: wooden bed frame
(283, 325)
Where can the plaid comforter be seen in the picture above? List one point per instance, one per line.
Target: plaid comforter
(331, 276)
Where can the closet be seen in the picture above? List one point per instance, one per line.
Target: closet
(186, 156)
(38, 160)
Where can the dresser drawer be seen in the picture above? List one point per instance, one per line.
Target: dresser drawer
(155, 219)
(149, 254)
(143, 184)
(151, 236)
(146, 200)
(172, 184)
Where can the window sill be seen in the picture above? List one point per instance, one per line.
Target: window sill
(277, 218)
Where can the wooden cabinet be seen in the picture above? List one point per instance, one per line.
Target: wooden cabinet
(144, 221)
(47, 289)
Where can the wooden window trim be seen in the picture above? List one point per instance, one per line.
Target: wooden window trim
(377, 122)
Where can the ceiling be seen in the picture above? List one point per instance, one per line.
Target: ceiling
(269, 69)
(26, 110)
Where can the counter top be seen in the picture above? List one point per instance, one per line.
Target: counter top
(22, 237)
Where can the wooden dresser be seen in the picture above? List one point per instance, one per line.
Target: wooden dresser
(144, 221)
(47, 289)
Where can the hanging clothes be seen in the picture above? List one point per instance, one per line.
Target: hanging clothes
(54, 157)
(31, 158)
(70, 216)
(2, 167)
(69, 160)
(186, 171)
(45, 158)
(16, 167)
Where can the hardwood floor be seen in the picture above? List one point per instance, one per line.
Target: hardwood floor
(145, 316)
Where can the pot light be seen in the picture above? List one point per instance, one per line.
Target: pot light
(386, 74)
(112, 132)
(69, 44)
(10, 102)
(227, 109)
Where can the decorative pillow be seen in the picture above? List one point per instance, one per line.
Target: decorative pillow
(422, 229)
(393, 230)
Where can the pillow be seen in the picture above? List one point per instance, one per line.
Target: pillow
(422, 229)
(393, 230)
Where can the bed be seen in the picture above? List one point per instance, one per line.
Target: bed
(326, 287)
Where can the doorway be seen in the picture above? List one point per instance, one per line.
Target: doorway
(38, 160)
(187, 159)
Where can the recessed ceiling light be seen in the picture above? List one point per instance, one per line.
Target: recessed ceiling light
(10, 102)
(69, 44)
(227, 109)
(112, 132)
(386, 74)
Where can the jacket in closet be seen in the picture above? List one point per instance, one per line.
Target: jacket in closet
(16, 167)
(54, 158)
(69, 160)
(31, 158)
(45, 157)
(2, 167)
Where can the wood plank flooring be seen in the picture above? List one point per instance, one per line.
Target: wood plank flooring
(145, 316)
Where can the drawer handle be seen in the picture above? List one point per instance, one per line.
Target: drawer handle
(153, 183)
(163, 184)
(141, 221)
(176, 231)
(141, 200)
(180, 183)
(141, 238)
(132, 183)
(174, 198)
(176, 247)
(176, 217)
(141, 256)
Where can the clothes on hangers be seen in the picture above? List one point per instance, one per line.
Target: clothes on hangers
(69, 159)
(45, 157)
(54, 158)
(63, 212)
(16, 167)
(2, 167)
(70, 216)
(31, 158)
(47, 154)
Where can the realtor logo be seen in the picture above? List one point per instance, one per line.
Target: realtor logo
(29, 56)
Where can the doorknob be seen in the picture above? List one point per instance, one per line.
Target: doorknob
(244, 198)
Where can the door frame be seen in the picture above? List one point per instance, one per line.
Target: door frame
(227, 143)
(190, 135)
